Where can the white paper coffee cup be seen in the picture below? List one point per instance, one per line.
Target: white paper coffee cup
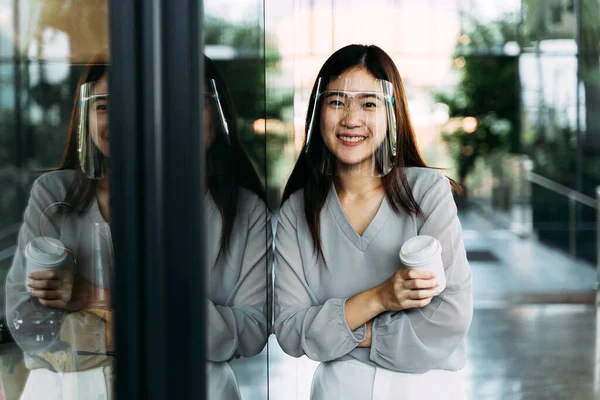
(424, 252)
(44, 253)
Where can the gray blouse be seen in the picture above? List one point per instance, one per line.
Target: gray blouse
(237, 299)
(237, 292)
(309, 297)
(41, 331)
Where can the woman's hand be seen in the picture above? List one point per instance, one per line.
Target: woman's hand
(407, 288)
(59, 289)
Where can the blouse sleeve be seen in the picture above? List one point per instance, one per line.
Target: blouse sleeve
(239, 327)
(302, 324)
(418, 340)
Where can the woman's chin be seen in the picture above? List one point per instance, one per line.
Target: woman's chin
(357, 166)
(356, 160)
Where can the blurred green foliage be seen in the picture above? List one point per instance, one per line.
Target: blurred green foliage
(255, 59)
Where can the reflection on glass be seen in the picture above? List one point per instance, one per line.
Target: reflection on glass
(58, 303)
(380, 329)
(238, 243)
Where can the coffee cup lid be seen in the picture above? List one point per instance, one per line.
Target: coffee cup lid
(420, 249)
(46, 250)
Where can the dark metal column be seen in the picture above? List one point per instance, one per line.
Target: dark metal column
(157, 185)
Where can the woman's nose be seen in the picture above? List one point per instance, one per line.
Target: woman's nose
(353, 117)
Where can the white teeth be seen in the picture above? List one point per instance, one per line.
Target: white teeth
(352, 139)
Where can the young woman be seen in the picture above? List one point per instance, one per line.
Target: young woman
(359, 190)
(239, 243)
(61, 317)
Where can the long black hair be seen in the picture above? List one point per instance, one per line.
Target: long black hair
(316, 184)
(228, 166)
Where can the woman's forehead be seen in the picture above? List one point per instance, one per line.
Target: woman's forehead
(355, 80)
(101, 85)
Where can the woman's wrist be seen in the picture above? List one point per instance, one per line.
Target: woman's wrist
(378, 301)
(362, 307)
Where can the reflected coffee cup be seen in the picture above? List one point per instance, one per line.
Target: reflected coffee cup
(424, 252)
(45, 253)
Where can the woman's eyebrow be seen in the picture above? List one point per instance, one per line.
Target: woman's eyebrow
(97, 97)
(330, 93)
(368, 94)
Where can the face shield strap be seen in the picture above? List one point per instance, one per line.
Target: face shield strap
(312, 120)
(387, 90)
(216, 100)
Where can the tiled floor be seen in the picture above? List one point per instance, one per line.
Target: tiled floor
(533, 352)
(529, 339)
(526, 271)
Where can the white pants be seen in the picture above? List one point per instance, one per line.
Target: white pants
(355, 380)
(92, 384)
(97, 384)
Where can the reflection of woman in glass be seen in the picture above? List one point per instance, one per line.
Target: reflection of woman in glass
(238, 242)
(358, 192)
(58, 288)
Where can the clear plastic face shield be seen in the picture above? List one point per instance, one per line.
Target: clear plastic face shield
(352, 128)
(217, 142)
(216, 127)
(93, 128)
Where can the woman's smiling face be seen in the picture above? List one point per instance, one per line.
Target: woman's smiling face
(353, 117)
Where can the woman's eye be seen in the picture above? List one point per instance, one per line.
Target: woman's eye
(101, 107)
(370, 104)
(336, 103)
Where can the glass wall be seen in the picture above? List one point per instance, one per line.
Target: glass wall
(55, 262)
(238, 219)
(559, 76)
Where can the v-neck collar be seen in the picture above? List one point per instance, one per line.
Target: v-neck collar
(363, 241)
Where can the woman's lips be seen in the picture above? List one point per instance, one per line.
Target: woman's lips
(351, 140)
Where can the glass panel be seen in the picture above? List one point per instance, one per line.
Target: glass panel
(559, 77)
(7, 36)
(545, 21)
(237, 216)
(589, 117)
(55, 243)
